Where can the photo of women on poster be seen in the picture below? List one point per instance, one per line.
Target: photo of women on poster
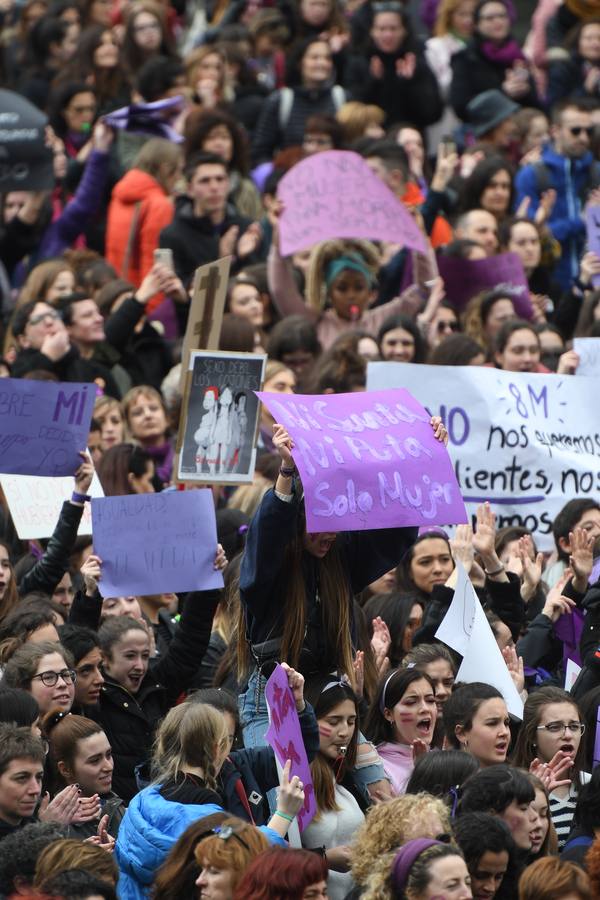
(220, 417)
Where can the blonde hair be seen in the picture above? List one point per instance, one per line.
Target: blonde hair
(68, 853)
(104, 404)
(355, 118)
(247, 497)
(40, 280)
(154, 155)
(275, 367)
(188, 736)
(141, 390)
(324, 253)
(192, 63)
(388, 826)
(443, 19)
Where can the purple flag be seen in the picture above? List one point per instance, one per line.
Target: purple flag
(152, 119)
(569, 628)
(464, 278)
(595, 573)
(592, 222)
(44, 425)
(368, 460)
(336, 195)
(285, 737)
(156, 543)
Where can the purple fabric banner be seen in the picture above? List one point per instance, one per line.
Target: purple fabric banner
(368, 460)
(464, 278)
(569, 628)
(152, 119)
(592, 223)
(156, 543)
(44, 425)
(336, 195)
(285, 737)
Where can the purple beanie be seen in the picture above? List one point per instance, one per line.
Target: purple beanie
(405, 858)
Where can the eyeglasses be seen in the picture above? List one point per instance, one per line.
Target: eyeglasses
(150, 26)
(224, 833)
(576, 130)
(489, 17)
(50, 678)
(562, 727)
(35, 320)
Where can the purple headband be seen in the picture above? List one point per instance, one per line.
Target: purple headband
(433, 530)
(406, 856)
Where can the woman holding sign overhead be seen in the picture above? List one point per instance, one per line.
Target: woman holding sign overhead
(297, 588)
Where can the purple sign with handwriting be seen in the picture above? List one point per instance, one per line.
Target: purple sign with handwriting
(335, 195)
(592, 223)
(285, 737)
(156, 543)
(43, 426)
(368, 460)
(464, 278)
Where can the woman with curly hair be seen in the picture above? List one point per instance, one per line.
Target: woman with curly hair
(388, 826)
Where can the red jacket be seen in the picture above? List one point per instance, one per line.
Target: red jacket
(155, 213)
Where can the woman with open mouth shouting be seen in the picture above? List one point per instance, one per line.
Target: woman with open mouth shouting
(549, 745)
(401, 722)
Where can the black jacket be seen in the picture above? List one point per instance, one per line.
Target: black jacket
(473, 73)
(416, 100)
(268, 134)
(131, 721)
(145, 355)
(72, 367)
(194, 240)
(48, 571)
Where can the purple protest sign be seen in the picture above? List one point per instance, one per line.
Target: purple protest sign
(155, 543)
(464, 278)
(592, 224)
(569, 628)
(44, 426)
(368, 460)
(595, 573)
(285, 737)
(336, 195)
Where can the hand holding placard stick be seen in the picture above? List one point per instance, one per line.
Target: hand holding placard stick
(206, 310)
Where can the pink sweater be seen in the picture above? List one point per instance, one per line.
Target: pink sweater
(398, 763)
(289, 302)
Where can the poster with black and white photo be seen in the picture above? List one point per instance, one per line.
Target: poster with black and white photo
(219, 420)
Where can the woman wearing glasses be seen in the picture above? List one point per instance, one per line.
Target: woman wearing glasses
(46, 671)
(549, 745)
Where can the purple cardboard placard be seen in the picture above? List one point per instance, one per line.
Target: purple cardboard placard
(592, 224)
(464, 278)
(43, 426)
(285, 737)
(156, 543)
(569, 628)
(368, 460)
(336, 195)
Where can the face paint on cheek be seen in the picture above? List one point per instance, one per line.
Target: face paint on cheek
(325, 731)
(406, 718)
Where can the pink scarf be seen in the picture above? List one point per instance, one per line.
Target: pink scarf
(505, 54)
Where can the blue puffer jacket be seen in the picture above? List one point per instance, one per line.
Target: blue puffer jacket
(148, 831)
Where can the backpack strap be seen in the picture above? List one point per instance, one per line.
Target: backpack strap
(543, 182)
(286, 101)
(135, 221)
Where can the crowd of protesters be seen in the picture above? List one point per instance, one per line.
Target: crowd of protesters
(133, 756)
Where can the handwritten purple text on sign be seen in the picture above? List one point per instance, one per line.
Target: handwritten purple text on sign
(43, 426)
(368, 460)
(335, 195)
(285, 737)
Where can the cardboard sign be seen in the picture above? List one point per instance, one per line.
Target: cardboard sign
(44, 426)
(464, 278)
(466, 630)
(220, 417)
(26, 163)
(285, 737)
(527, 443)
(368, 460)
(155, 543)
(206, 310)
(588, 350)
(336, 195)
(35, 503)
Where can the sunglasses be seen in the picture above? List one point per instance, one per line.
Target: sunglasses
(576, 130)
(224, 833)
(447, 326)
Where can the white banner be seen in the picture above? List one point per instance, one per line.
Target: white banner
(35, 503)
(527, 443)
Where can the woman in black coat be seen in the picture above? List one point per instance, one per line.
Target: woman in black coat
(578, 76)
(492, 60)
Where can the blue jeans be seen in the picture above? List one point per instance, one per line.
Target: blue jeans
(254, 719)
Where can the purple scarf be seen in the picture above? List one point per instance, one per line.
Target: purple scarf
(506, 54)
(163, 460)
